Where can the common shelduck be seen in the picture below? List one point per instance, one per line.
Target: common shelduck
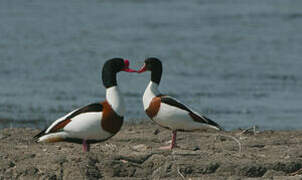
(167, 111)
(96, 122)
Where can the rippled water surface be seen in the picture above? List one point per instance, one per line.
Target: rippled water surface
(238, 61)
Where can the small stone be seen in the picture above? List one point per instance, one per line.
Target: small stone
(223, 139)
(258, 146)
(31, 171)
(11, 164)
(196, 148)
(2, 136)
(32, 155)
(156, 131)
(52, 177)
(140, 147)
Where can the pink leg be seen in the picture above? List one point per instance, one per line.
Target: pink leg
(173, 143)
(86, 147)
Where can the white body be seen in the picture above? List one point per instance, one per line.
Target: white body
(88, 125)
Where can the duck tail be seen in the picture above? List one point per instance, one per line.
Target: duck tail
(40, 134)
(52, 137)
(213, 124)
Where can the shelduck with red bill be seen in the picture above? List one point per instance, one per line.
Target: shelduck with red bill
(167, 111)
(96, 122)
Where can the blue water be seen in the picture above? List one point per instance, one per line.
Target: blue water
(238, 61)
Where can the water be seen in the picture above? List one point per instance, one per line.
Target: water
(238, 61)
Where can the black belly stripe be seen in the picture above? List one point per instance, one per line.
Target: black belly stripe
(89, 141)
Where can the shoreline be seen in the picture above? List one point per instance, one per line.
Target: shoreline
(133, 154)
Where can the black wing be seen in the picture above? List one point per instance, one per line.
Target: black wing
(96, 107)
(172, 102)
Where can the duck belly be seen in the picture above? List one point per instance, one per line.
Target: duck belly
(87, 126)
(176, 119)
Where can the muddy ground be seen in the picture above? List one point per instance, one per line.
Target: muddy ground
(133, 154)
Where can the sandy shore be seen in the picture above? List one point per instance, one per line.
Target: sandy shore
(133, 154)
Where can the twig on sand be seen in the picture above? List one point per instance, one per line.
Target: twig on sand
(232, 137)
(177, 168)
(248, 129)
(181, 175)
(299, 172)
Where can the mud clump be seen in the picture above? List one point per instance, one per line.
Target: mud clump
(252, 171)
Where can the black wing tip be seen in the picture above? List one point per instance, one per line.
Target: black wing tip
(40, 134)
(211, 122)
(220, 128)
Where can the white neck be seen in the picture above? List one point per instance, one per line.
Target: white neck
(116, 100)
(150, 92)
